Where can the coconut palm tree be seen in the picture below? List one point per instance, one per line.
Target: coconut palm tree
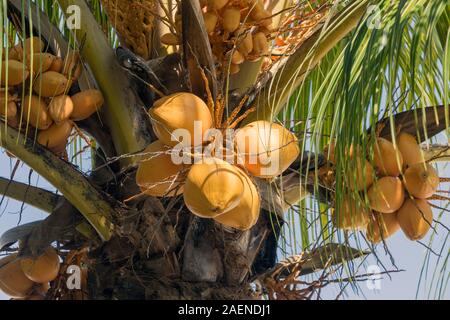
(338, 74)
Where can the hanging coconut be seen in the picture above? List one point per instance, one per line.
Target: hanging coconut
(352, 214)
(409, 149)
(359, 177)
(51, 84)
(266, 149)
(245, 46)
(43, 269)
(55, 137)
(13, 281)
(35, 112)
(33, 45)
(10, 111)
(16, 52)
(17, 73)
(210, 19)
(157, 174)
(421, 180)
(260, 44)
(86, 103)
(381, 226)
(415, 218)
(180, 111)
(237, 57)
(387, 158)
(246, 214)
(386, 195)
(8, 106)
(57, 65)
(213, 187)
(41, 62)
(234, 68)
(60, 108)
(231, 19)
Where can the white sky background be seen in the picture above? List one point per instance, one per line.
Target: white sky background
(408, 255)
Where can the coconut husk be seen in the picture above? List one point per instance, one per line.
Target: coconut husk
(134, 21)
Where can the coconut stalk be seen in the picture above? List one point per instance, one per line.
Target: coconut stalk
(436, 153)
(289, 75)
(71, 183)
(197, 50)
(37, 197)
(250, 70)
(122, 113)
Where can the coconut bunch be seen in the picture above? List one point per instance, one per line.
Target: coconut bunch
(34, 93)
(238, 31)
(26, 278)
(389, 192)
(218, 185)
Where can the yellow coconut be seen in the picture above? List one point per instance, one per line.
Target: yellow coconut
(41, 62)
(35, 112)
(415, 218)
(16, 52)
(157, 174)
(234, 68)
(266, 149)
(181, 111)
(246, 214)
(387, 158)
(60, 108)
(33, 45)
(421, 180)
(260, 44)
(386, 195)
(8, 106)
(51, 84)
(409, 149)
(360, 177)
(86, 103)
(210, 19)
(231, 19)
(13, 281)
(170, 39)
(245, 46)
(72, 67)
(10, 111)
(213, 187)
(57, 65)
(17, 73)
(43, 269)
(352, 214)
(56, 135)
(381, 226)
(237, 57)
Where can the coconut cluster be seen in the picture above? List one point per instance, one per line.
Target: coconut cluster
(27, 278)
(392, 190)
(34, 93)
(238, 31)
(217, 186)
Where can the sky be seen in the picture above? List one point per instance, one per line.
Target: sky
(408, 255)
